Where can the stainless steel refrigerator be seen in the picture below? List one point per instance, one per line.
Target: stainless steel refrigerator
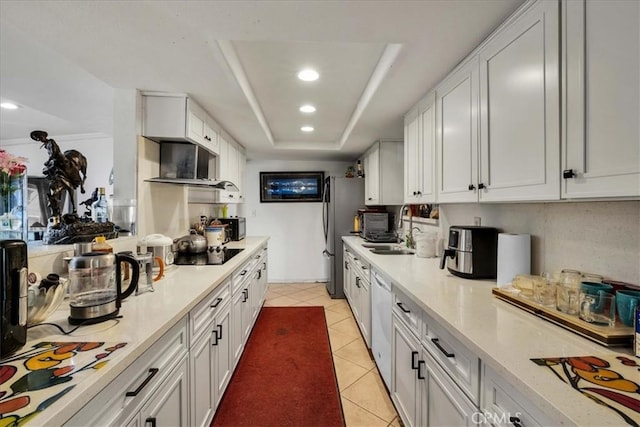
(342, 197)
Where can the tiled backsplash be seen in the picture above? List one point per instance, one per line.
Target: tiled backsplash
(596, 237)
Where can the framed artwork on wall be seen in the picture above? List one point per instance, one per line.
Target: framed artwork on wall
(291, 186)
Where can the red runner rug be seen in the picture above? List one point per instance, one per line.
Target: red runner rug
(285, 376)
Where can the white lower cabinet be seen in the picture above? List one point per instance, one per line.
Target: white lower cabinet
(148, 378)
(357, 288)
(442, 403)
(404, 363)
(422, 392)
(504, 405)
(169, 405)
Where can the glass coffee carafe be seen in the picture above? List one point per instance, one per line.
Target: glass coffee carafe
(95, 286)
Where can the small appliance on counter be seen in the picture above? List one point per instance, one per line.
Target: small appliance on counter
(13, 296)
(95, 286)
(217, 255)
(237, 229)
(472, 252)
(159, 245)
(373, 223)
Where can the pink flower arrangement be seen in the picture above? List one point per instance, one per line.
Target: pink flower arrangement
(11, 165)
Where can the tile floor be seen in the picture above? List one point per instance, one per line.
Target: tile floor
(365, 401)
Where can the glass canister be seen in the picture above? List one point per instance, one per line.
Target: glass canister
(13, 197)
(568, 291)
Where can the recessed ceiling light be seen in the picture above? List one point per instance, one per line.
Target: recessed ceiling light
(307, 108)
(308, 75)
(306, 128)
(9, 106)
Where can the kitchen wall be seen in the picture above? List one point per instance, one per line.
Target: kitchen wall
(297, 241)
(597, 237)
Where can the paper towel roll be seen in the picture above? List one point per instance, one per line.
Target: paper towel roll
(514, 256)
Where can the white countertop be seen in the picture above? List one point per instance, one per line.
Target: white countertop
(145, 318)
(503, 336)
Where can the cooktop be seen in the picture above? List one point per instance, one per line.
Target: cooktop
(212, 256)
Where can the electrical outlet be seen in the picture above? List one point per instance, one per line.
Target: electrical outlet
(477, 220)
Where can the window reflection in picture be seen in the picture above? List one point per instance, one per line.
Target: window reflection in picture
(291, 186)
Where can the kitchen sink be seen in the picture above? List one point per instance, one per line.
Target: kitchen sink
(378, 246)
(392, 251)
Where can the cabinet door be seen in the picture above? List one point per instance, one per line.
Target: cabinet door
(602, 103)
(169, 405)
(372, 175)
(427, 152)
(211, 138)
(195, 123)
(412, 168)
(457, 135)
(365, 312)
(346, 278)
(242, 167)
(519, 113)
(237, 338)
(442, 403)
(203, 379)
(229, 171)
(222, 363)
(404, 363)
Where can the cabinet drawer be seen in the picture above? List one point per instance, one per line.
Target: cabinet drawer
(456, 359)
(130, 390)
(202, 314)
(240, 276)
(408, 311)
(507, 405)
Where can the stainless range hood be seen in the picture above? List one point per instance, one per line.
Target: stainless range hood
(184, 163)
(203, 182)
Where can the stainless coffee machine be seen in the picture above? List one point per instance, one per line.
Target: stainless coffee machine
(472, 252)
(13, 296)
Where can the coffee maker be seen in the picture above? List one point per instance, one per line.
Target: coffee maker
(472, 252)
(13, 296)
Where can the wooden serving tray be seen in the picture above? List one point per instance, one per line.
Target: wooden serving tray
(619, 335)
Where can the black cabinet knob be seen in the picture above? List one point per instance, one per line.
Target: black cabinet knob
(481, 186)
(471, 187)
(568, 173)
(414, 193)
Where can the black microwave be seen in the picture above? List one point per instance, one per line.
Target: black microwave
(237, 228)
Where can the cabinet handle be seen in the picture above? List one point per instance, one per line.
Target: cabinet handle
(243, 272)
(436, 341)
(471, 187)
(355, 258)
(219, 332)
(346, 265)
(568, 173)
(245, 292)
(419, 193)
(414, 193)
(481, 186)
(414, 361)
(358, 281)
(370, 198)
(152, 373)
(515, 421)
(259, 274)
(218, 301)
(230, 196)
(420, 364)
(151, 420)
(215, 335)
(364, 267)
(399, 304)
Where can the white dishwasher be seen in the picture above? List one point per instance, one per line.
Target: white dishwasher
(381, 302)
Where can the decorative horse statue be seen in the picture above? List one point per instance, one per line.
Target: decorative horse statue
(64, 171)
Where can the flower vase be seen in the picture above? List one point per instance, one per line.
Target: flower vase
(13, 206)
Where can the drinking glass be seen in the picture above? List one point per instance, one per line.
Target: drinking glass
(544, 289)
(598, 308)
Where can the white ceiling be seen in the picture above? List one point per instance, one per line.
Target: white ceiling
(61, 61)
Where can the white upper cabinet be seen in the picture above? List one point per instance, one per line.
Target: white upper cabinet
(601, 108)
(520, 108)
(176, 117)
(419, 153)
(231, 165)
(383, 169)
(457, 134)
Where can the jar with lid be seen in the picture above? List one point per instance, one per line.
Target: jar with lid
(100, 245)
